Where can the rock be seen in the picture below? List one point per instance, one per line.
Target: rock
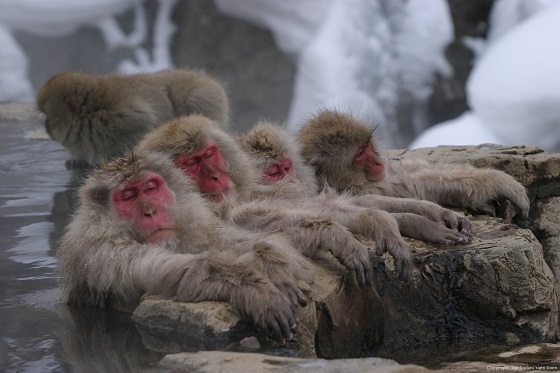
(468, 294)
(204, 361)
(529, 358)
(341, 320)
(250, 344)
(499, 288)
(512, 339)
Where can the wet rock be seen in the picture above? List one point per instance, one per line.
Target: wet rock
(202, 362)
(496, 285)
(341, 320)
(512, 339)
(542, 357)
(499, 284)
(500, 287)
(250, 344)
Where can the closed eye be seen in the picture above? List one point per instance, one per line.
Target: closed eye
(128, 194)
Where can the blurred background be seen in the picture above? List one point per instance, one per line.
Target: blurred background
(429, 72)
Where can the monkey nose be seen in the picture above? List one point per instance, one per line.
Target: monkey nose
(150, 212)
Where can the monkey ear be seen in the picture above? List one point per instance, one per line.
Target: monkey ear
(97, 195)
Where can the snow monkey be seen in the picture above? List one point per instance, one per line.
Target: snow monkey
(143, 229)
(344, 153)
(278, 159)
(99, 116)
(226, 175)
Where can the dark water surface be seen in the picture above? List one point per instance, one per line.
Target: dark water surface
(38, 333)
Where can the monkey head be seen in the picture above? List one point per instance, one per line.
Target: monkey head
(204, 152)
(342, 149)
(93, 117)
(135, 195)
(277, 155)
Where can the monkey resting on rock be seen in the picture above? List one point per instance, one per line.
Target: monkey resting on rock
(226, 176)
(278, 159)
(99, 116)
(345, 155)
(143, 229)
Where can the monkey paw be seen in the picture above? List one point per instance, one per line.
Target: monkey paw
(357, 260)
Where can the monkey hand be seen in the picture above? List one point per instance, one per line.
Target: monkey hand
(271, 311)
(451, 220)
(516, 193)
(401, 256)
(283, 265)
(355, 257)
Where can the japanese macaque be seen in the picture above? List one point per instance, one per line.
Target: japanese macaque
(143, 229)
(226, 175)
(96, 117)
(345, 155)
(278, 159)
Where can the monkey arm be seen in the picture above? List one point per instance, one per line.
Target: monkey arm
(308, 232)
(427, 209)
(424, 229)
(377, 225)
(223, 276)
(455, 185)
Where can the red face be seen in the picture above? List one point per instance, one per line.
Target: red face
(147, 204)
(277, 171)
(370, 162)
(206, 167)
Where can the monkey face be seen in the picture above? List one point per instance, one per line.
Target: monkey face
(147, 204)
(206, 168)
(367, 159)
(277, 170)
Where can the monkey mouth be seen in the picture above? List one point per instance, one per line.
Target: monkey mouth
(219, 196)
(160, 235)
(377, 177)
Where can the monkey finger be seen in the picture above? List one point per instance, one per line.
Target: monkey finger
(274, 331)
(285, 328)
(361, 277)
(403, 269)
(465, 225)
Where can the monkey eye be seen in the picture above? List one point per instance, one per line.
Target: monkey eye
(128, 194)
(210, 152)
(151, 185)
(272, 170)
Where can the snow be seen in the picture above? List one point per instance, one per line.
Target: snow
(61, 17)
(14, 85)
(292, 22)
(514, 88)
(367, 57)
(464, 130)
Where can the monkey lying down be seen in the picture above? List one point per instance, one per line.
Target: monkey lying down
(278, 160)
(344, 155)
(96, 117)
(143, 229)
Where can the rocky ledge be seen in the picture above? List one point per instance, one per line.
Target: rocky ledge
(498, 289)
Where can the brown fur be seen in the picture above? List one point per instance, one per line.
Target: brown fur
(446, 184)
(184, 135)
(95, 116)
(267, 143)
(104, 263)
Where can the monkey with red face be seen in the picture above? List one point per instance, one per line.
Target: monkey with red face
(277, 157)
(226, 175)
(345, 155)
(142, 228)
